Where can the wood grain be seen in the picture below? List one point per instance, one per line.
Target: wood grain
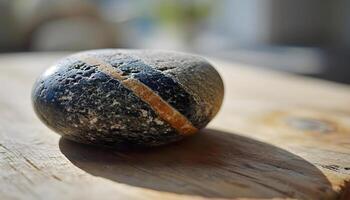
(277, 136)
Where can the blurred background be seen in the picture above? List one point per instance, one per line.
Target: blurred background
(308, 37)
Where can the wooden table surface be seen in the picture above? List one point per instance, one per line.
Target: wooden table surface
(276, 136)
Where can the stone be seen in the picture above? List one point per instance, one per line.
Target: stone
(121, 98)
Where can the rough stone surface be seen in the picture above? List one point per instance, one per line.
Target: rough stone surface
(87, 105)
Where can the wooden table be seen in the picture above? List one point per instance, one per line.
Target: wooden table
(276, 136)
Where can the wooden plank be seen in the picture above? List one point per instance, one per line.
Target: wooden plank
(277, 136)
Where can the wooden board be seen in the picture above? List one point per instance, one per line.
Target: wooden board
(276, 136)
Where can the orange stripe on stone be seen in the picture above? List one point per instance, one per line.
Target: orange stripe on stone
(161, 107)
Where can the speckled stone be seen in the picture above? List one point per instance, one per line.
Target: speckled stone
(116, 98)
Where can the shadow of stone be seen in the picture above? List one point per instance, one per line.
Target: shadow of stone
(211, 164)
